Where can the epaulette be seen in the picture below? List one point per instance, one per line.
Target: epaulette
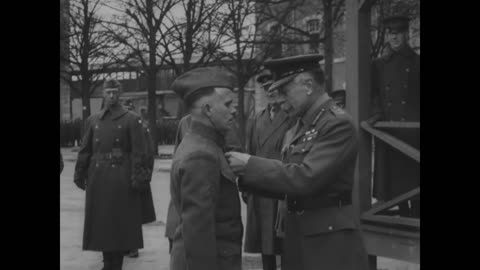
(317, 117)
(337, 110)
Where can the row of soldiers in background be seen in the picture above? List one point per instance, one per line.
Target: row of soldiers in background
(114, 167)
(70, 133)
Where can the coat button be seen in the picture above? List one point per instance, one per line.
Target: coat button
(96, 126)
(117, 139)
(407, 70)
(97, 165)
(96, 140)
(119, 126)
(330, 228)
(389, 104)
(403, 102)
(113, 165)
(405, 86)
(402, 119)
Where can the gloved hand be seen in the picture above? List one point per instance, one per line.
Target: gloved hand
(80, 183)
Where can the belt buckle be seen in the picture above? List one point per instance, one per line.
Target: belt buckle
(299, 213)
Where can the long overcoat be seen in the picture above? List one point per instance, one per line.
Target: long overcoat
(111, 163)
(264, 139)
(319, 165)
(396, 97)
(148, 208)
(205, 196)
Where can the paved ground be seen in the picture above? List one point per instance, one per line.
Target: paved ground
(155, 254)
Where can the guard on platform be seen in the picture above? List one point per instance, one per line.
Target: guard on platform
(396, 97)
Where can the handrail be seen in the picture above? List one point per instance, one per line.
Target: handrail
(392, 124)
(394, 142)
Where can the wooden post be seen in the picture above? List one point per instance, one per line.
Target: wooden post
(358, 98)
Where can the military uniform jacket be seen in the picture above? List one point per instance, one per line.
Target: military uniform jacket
(204, 194)
(319, 162)
(112, 162)
(264, 139)
(232, 142)
(396, 86)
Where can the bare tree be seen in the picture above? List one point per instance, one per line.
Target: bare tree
(89, 53)
(196, 34)
(139, 29)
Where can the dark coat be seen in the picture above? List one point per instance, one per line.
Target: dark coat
(111, 161)
(319, 163)
(148, 208)
(232, 143)
(264, 139)
(204, 193)
(396, 97)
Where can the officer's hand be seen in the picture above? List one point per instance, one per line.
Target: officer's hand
(238, 161)
(80, 183)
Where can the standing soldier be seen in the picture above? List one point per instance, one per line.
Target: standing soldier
(396, 97)
(111, 168)
(148, 209)
(316, 176)
(232, 142)
(202, 186)
(264, 138)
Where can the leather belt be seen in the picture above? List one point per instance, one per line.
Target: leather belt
(320, 201)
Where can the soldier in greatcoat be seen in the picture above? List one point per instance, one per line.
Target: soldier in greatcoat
(265, 133)
(202, 186)
(316, 175)
(148, 209)
(396, 97)
(111, 168)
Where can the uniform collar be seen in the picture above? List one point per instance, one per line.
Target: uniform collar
(207, 132)
(115, 111)
(321, 102)
(406, 51)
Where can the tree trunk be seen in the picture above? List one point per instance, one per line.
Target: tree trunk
(85, 90)
(152, 104)
(328, 45)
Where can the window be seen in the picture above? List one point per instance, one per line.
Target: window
(119, 75)
(313, 25)
(133, 75)
(126, 75)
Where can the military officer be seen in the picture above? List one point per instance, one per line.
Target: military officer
(264, 138)
(111, 169)
(148, 209)
(396, 97)
(316, 175)
(202, 185)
